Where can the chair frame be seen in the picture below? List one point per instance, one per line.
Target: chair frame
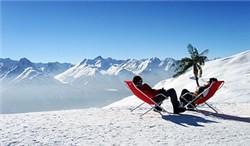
(142, 96)
(199, 96)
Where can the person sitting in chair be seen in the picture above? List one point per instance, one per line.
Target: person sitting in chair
(187, 96)
(152, 93)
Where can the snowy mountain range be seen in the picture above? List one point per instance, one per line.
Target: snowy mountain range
(122, 69)
(51, 84)
(10, 69)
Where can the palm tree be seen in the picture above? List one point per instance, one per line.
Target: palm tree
(196, 60)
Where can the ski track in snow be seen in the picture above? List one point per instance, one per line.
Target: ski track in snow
(118, 126)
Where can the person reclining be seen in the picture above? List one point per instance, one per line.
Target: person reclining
(189, 96)
(151, 93)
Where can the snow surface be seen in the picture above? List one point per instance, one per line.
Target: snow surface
(116, 125)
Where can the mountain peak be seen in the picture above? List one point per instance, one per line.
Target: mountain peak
(155, 59)
(98, 58)
(24, 62)
(23, 59)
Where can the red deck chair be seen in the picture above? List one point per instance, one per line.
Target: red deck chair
(138, 93)
(204, 96)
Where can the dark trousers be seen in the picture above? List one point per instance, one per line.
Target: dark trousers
(188, 97)
(168, 93)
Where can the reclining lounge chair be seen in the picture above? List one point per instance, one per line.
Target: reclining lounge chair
(204, 96)
(138, 93)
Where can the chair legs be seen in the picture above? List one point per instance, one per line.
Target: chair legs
(152, 107)
(150, 110)
(189, 103)
(211, 107)
(137, 107)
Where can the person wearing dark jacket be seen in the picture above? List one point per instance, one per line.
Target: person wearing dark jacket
(189, 96)
(151, 93)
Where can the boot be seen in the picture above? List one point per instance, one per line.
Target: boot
(178, 110)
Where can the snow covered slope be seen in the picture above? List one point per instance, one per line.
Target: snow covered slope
(234, 70)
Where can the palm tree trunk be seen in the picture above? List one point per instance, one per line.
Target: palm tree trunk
(195, 71)
(197, 81)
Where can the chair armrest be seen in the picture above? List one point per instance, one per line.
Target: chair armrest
(160, 94)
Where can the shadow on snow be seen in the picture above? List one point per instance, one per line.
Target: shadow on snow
(226, 117)
(185, 120)
(192, 120)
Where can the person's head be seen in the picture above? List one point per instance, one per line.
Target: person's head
(211, 80)
(137, 80)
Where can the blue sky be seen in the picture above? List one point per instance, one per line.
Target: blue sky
(67, 31)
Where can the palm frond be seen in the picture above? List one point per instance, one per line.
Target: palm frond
(192, 51)
(201, 60)
(186, 59)
(183, 62)
(182, 68)
(204, 52)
